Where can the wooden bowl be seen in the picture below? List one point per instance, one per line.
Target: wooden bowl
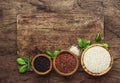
(93, 73)
(62, 73)
(38, 72)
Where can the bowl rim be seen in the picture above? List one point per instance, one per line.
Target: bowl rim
(92, 73)
(66, 74)
(38, 72)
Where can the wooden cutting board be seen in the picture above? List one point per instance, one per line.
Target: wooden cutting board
(40, 32)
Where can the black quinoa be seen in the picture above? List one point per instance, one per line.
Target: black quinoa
(42, 64)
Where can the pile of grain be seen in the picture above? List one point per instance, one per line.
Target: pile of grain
(74, 49)
(65, 62)
(97, 59)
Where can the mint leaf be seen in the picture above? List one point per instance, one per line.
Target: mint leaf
(106, 45)
(30, 65)
(29, 62)
(52, 55)
(56, 52)
(20, 61)
(98, 37)
(23, 69)
(26, 59)
(80, 43)
(48, 53)
(86, 44)
(26, 64)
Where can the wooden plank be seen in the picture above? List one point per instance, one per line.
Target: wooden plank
(36, 33)
(10, 8)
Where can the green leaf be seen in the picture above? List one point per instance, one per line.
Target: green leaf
(20, 61)
(23, 69)
(80, 43)
(30, 65)
(30, 68)
(49, 53)
(86, 44)
(56, 52)
(52, 57)
(106, 45)
(26, 59)
(98, 38)
(29, 62)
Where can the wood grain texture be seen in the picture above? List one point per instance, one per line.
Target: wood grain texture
(9, 9)
(37, 33)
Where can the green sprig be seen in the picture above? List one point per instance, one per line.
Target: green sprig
(25, 64)
(98, 40)
(20, 61)
(83, 45)
(105, 45)
(52, 55)
(23, 68)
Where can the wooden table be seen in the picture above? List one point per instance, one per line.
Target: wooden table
(9, 9)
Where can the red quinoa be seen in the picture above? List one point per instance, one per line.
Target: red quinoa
(65, 62)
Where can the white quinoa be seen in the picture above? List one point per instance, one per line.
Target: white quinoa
(74, 49)
(97, 59)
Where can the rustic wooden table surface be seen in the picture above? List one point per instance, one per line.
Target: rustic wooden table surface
(9, 9)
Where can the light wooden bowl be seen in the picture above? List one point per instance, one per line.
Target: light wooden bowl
(42, 73)
(62, 73)
(92, 73)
